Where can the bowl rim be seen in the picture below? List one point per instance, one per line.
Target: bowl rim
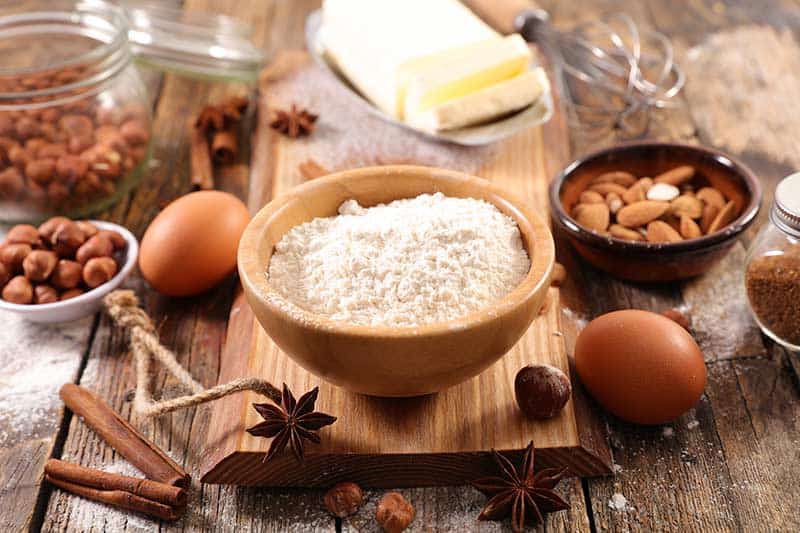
(131, 255)
(253, 276)
(732, 230)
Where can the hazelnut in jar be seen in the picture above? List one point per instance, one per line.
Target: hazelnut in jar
(772, 270)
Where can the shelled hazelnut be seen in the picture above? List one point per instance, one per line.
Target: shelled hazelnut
(343, 499)
(541, 390)
(60, 259)
(394, 513)
(69, 155)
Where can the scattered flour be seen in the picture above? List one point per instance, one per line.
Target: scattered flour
(35, 360)
(692, 424)
(407, 263)
(667, 432)
(618, 502)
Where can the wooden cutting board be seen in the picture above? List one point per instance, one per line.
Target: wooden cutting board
(442, 439)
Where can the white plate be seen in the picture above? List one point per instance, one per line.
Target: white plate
(537, 113)
(89, 302)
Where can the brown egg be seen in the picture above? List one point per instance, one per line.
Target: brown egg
(191, 245)
(641, 366)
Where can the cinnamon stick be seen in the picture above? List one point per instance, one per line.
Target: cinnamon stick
(123, 437)
(225, 145)
(202, 172)
(98, 479)
(119, 498)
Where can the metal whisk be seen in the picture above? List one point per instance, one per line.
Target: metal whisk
(612, 74)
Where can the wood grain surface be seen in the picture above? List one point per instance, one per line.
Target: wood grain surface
(731, 464)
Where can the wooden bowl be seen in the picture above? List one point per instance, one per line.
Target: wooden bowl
(655, 262)
(391, 361)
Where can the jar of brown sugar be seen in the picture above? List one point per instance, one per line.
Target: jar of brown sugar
(772, 271)
(75, 124)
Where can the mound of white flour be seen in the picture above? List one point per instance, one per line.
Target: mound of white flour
(407, 263)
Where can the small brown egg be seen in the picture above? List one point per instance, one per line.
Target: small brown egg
(191, 245)
(640, 366)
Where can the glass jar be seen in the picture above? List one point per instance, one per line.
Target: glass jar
(772, 268)
(75, 123)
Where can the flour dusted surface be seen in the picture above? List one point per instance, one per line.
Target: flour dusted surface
(407, 263)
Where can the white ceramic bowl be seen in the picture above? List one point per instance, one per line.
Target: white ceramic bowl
(87, 303)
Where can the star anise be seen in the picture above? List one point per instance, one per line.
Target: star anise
(521, 493)
(294, 123)
(291, 422)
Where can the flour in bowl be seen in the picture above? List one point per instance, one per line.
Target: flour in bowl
(411, 262)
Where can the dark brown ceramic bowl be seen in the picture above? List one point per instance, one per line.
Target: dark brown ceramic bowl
(655, 262)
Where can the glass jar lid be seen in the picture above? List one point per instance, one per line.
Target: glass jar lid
(786, 212)
(192, 43)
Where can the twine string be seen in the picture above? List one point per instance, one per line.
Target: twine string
(123, 307)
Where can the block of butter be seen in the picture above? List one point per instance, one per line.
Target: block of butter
(427, 62)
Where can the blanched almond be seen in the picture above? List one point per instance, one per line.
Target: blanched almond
(635, 193)
(709, 214)
(621, 232)
(614, 202)
(676, 176)
(723, 218)
(593, 217)
(591, 197)
(686, 205)
(660, 231)
(689, 228)
(605, 188)
(626, 179)
(640, 213)
(711, 196)
(663, 192)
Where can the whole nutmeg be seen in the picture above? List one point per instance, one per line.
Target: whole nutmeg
(394, 513)
(39, 264)
(71, 293)
(541, 390)
(343, 499)
(49, 227)
(98, 270)
(67, 239)
(18, 291)
(88, 229)
(23, 234)
(12, 255)
(44, 294)
(67, 274)
(96, 246)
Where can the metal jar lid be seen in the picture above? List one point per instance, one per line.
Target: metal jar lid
(786, 211)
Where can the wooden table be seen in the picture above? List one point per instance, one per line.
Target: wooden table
(732, 463)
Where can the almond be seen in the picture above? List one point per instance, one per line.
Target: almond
(689, 228)
(676, 176)
(594, 217)
(711, 196)
(591, 197)
(626, 179)
(635, 193)
(723, 218)
(660, 231)
(614, 202)
(686, 205)
(621, 232)
(605, 188)
(645, 183)
(640, 213)
(663, 192)
(708, 216)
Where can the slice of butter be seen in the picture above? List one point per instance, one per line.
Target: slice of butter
(368, 40)
(432, 80)
(482, 106)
